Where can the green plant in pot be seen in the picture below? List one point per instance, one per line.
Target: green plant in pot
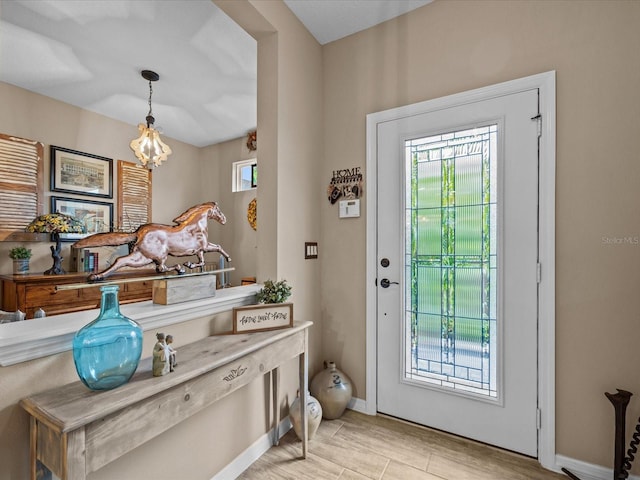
(274, 292)
(20, 256)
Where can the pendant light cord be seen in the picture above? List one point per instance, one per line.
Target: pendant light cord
(150, 94)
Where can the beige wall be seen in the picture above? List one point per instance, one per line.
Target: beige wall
(452, 46)
(298, 153)
(236, 236)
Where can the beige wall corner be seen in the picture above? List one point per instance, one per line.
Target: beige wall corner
(290, 111)
(237, 237)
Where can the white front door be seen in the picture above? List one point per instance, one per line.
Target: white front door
(457, 198)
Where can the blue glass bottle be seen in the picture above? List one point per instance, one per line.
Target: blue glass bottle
(107, 351)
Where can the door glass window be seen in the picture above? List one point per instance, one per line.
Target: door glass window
(451, 267)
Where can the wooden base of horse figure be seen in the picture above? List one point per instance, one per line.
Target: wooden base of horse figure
(153, 242)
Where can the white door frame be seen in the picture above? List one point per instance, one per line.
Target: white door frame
(545, 82)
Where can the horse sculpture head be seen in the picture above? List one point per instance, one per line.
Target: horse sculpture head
(216, 214)
(210, 209)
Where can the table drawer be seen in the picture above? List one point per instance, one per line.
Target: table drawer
(145, 286)
(43, 295)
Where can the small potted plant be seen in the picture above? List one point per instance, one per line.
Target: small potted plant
(274, 292)
(20, 256)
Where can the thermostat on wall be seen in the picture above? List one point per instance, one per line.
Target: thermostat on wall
(350, 208)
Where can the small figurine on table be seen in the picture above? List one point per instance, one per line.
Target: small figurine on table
(172, 353)
(161, 356)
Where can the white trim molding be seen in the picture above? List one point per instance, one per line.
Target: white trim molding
(253, 453)
(586, 471)
(358, 405)
(264, 443)
(546, 84)
(40, 337)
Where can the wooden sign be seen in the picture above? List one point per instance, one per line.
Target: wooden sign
(259, 318)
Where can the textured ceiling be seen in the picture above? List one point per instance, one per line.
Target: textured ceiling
(330, 20)
(90, 53)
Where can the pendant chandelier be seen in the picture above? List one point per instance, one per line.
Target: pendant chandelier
(149, 148)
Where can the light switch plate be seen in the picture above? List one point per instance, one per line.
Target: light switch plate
(350, 208)
(310, 250)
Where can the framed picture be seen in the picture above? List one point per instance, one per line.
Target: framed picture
(97, 217)
(259, 318)
(81, 173)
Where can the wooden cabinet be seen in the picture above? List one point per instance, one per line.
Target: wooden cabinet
(30, 292)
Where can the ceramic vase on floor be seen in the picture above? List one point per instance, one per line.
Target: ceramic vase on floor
(106, 351)
(333, 390)
(314, 416)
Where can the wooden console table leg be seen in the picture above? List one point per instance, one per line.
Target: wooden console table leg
(33, 438)
(304, 382)
(74, 465)
(275, 387)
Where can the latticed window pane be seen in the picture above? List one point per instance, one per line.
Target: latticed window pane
(451, 268)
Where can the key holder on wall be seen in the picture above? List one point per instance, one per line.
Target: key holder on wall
(345, 184)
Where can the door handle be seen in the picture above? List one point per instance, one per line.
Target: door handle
(384, 283)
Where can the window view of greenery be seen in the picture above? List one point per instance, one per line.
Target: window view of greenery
(451, 271)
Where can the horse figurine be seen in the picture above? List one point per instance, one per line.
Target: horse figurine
(153, 242)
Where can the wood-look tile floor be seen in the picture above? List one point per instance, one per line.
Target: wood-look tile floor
(363, 447)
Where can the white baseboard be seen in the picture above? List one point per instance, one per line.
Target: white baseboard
(358, 405)
(586, 471)
(264, 443)
(251, 454)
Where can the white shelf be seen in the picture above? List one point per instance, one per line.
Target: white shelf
(40, 337)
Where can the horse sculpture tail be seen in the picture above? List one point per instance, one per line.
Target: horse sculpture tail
(106, 239)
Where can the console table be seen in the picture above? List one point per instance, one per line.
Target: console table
(75, 431)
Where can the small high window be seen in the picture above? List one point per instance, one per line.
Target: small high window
(244, 175)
